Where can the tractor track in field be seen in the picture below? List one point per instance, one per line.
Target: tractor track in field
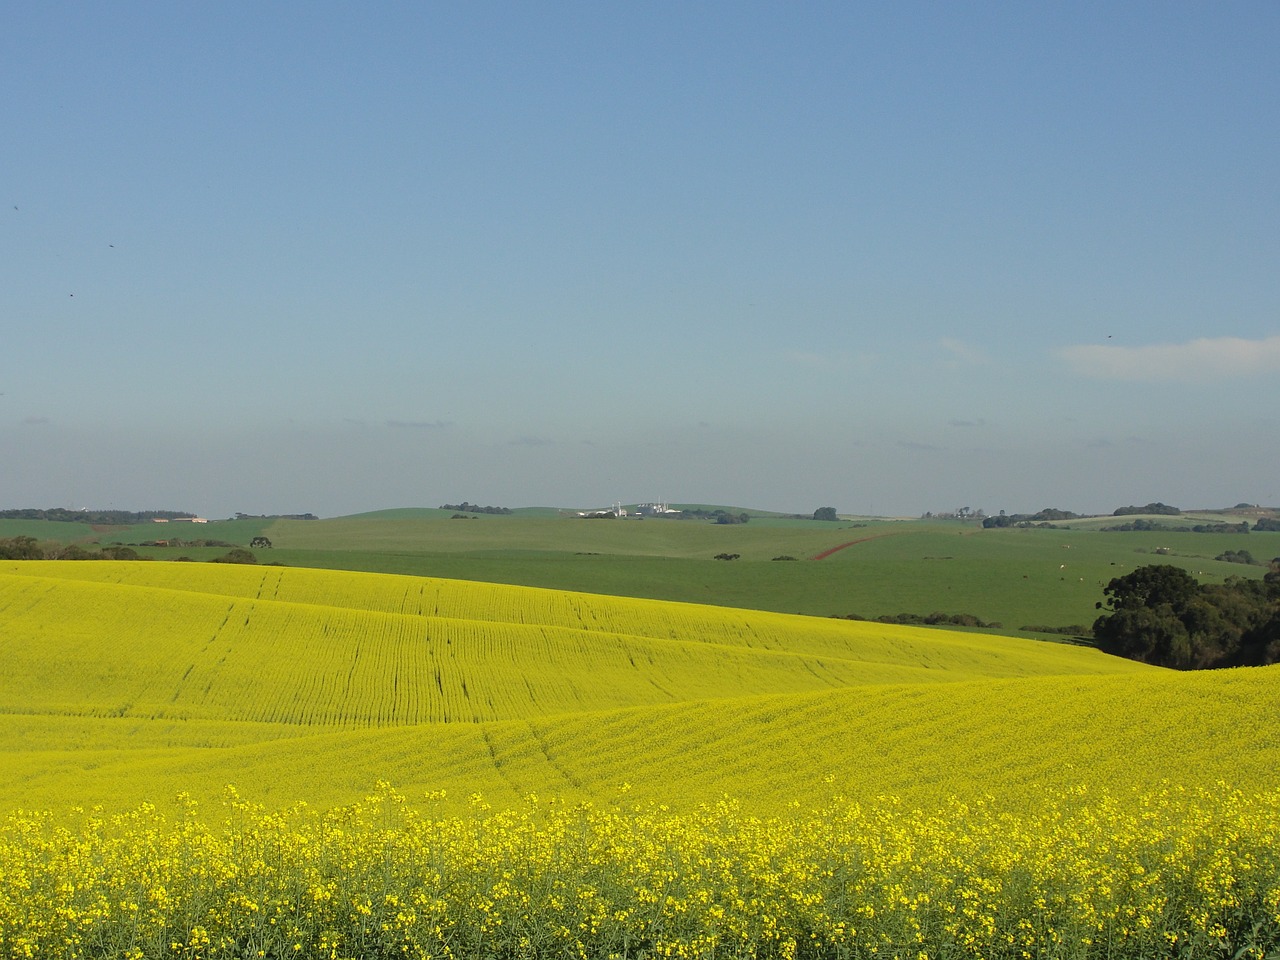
(841, 546)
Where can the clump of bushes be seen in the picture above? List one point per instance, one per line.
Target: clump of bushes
(28, 548)
(1237, 556)
(1072, 630)
(238, 555)
(935, 619)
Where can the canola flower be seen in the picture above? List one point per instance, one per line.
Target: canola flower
(1173, 872)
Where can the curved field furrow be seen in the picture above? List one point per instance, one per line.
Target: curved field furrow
(1014, 740)
(147, 651)
(872, 642)
(573, 691)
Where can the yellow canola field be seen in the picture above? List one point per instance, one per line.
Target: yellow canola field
(1017, 741)
(1173, 873)
(976, 654)
(579, 776)
(122, 685)
(87, 648)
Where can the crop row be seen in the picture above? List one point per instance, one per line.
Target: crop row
(881, 648)
(125, 650)
(1020, 739)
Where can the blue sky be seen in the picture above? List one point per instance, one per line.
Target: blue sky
(887, 257)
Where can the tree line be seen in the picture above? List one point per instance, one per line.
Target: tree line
(1265, 523)
(1045, 516)
(121, 517)
(1155, 509)
(28, 548)
(715, 516)
(275, 516)
(1162, 615)
(935, 619)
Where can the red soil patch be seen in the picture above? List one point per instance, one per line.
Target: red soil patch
(838, 547)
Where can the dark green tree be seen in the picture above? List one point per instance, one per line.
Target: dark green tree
(119, 553)
(1158, 508)
(825, 513)
(73, 551)
(1272, 577)
(20, 548)
(1144, 619)
(1151, 586)
(238, 555)
(1162, 615)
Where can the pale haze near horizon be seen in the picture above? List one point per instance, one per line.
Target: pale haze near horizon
(889, 258)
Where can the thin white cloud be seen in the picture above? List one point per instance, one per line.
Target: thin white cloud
(419, 424)
(1105, 443)
(835, 360)
(1208, 358)
(962, 352)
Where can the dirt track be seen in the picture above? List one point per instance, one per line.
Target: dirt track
(840, 546)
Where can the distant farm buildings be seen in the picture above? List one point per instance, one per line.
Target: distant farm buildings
(655, 509)
(617, 510)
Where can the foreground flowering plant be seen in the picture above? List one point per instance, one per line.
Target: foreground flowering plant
(1172, 873)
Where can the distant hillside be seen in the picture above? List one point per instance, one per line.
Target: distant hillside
(63, 515)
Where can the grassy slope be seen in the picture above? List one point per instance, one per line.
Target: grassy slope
(134, 681)
(516, 535)
(1015, 577)
(59, 532)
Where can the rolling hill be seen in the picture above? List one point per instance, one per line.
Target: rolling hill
(270, 761)
(135, 681)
